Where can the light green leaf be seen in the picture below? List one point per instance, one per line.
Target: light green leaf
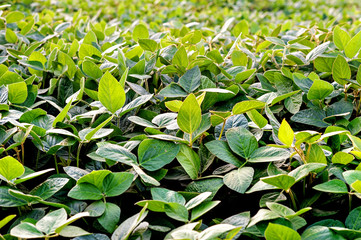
(245, 106)
(332, 186)
(341, 70)
(10, 36)
(280, 232)
(340, 38)
(282, 181)
(110, 93)
(286, 134)
(148, 44)
(316, 155)
(342, 158)
(10, 168)
(140, 32)
(189, 115)
(18, 92)
(257, 118)
(180, 58)
(319, 90)
(63, 113)
(13, 17)
(353, 46)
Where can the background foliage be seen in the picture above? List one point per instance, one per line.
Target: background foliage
(180, 119)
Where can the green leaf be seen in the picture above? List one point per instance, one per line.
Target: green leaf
(191, 80)
(222, 151)
(280, 232)
(269, 154)
(126, 228)
(145, 177)
(244, 75)
(71, 220)
(96, 132)
(10, 168)
(26, 230)
(319, 90)
(282, 181)
(353, 46)
(154, 154)
(13, 17)
(342, 158)
(110, 218)
(66, 60)
(95, 177)
(148, 44)
(316, 155)
(18, 92)
(189, 115)
(173, 90)
(180, 59)
(189, 160)
(6, 220)
(87, 50)
(91, 69)
(166, 195)
(96, 209)
(72, 232)
(176, 211)
(340, 38)
(10, 36)
(202, 209)
(110, 93)
(194, 202)
(352, 176)
(245, 106)
(85, 191)
(317, 51)
(241, 141)
(7, 200)
(117, 153)
(286, 134)
(320, 233)
(332, 186)
(341, 70)
(215, 231)
(257, 118)
(140, 32)
(239, 180)
(116, 183)
(63, 113)
(48, 188)
(353, 220)
(52, 221)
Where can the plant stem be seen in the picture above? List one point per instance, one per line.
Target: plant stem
(22, 153)
(191, 139)
(292, 199)
(220, 135)
(78, 154)
(56, 164)
(17, 154)
(349, 202)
